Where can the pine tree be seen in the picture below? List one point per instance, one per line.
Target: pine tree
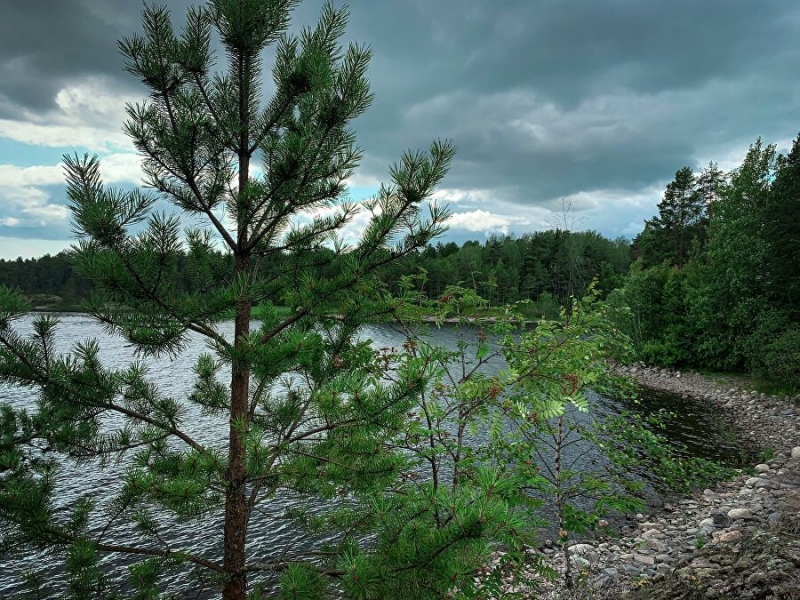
(252, 240)
(709, 186)
(782, 232)
(680, 221)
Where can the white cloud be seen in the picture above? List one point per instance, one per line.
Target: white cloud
(632, 229)
(483, 220)
(89, 114)
(13, 176)
(730, 158)
(121, 167)
(47, 213)
(28, 204)
(360, 179)
(475, 196)
(491, 211)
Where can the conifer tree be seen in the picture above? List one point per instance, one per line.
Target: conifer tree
(680, 221)
(709, 186)
(782, 231)
(305, 406)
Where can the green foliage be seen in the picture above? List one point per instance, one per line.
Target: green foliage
(732, 306)
(534, 420)
(778, 356)
(545, 267)
(307, 407)
(651, 309)
(681, 221)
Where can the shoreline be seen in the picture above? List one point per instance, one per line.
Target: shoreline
(741, 536)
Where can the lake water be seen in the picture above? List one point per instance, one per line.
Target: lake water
(694, 426)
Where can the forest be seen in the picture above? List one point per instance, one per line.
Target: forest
(546, 267)
(711, 282)
(716, 284)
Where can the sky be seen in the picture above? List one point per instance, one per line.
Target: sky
(593, 104)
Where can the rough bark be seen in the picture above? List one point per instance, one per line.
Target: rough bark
(235, 498)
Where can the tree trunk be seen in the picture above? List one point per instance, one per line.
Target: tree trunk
(235, 500)
(236, 516)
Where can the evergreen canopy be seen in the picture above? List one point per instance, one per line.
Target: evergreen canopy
(308, 409)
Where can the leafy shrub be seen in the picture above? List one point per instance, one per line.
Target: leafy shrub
(779, 357)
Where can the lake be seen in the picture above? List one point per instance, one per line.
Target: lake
(694, 426)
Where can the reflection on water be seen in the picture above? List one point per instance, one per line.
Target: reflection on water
(694, 426)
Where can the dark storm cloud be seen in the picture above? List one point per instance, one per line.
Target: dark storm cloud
(543, 98)
(45, 45)
(629, 91)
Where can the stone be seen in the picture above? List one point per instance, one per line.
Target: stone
(796, 452)
(644, 559)
(651, 534)
(762, 468)
(663, 558)
(663, 568)
(706, 523)
(728, 536)
(631, 569)
(656, 545)
(739, 513)
(610, 572)
(756, 578)
(720, 519)
(579, 562)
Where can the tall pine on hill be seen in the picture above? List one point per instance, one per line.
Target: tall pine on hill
(261, 179)
(680, 221)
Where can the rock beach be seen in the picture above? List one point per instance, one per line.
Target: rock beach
(739, 540)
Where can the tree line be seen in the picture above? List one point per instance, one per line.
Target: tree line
(716, 283)
(546, 267)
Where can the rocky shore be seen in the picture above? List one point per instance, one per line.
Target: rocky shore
(740, 539)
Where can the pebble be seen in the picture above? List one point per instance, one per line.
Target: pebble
(581, 548)
(580, 562)
(728, 536)
(653, 545)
